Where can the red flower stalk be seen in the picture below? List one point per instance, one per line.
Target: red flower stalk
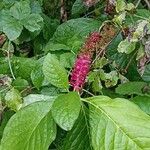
(83, 62)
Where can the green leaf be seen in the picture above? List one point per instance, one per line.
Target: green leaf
(30, 128)
(73, 32)
(66, 109)
(120, 5)
(146, 75)
(130, 88)
(20, 10)
(143, 102)
(118, 124)
(126, 46)
(145, 13)
(111, 78)
(23, 67)
(32, 98)
(20, 84)
(55, 47)
(37, 75)
(78, 7)
(33, 22)
(139, 33)
(7, 114)
(13, 99)
(11, 27)
(79, 136)
(54, 72)
(67, 59)
(50, 90)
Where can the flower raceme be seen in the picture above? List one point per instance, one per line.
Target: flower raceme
(83, 61)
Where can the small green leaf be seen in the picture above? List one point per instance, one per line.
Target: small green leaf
(120, 5)
(126, 46)
(20, 84)
(130, 88)
(66, 109)
(78, 7)
(31, 128)
(141, 52)
(13, 99)
(130, 7)
(146, 75)
(54, 72)
(111, 79)
(143, 102)
(140, 31)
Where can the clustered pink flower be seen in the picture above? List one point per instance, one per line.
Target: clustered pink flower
(83, 61)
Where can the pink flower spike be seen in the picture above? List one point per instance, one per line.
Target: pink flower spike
(83, 61)
(80, 71)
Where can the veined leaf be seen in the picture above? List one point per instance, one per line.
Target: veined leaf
(54, 72)
(118, 124)
(31, 128)
(79, 136)
(66, 109)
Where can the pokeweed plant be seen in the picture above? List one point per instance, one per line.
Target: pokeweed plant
(83, 85)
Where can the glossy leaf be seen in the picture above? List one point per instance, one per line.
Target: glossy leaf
(54, 72)
(79, 136)
(66, 109)
(30, 128)
(118, 124)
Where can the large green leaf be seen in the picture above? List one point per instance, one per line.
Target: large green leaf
(143, 102)
(10, 26)
(54, 72)
(130, 88)
(79, 136)
(118, 124)
(73, 32)
(31, 128)
(32, 98)
(66, 109)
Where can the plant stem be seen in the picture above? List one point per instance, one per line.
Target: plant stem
(9, 62)
(148, 3)
(137, 4)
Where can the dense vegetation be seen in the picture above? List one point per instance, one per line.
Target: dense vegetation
(75, 74)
